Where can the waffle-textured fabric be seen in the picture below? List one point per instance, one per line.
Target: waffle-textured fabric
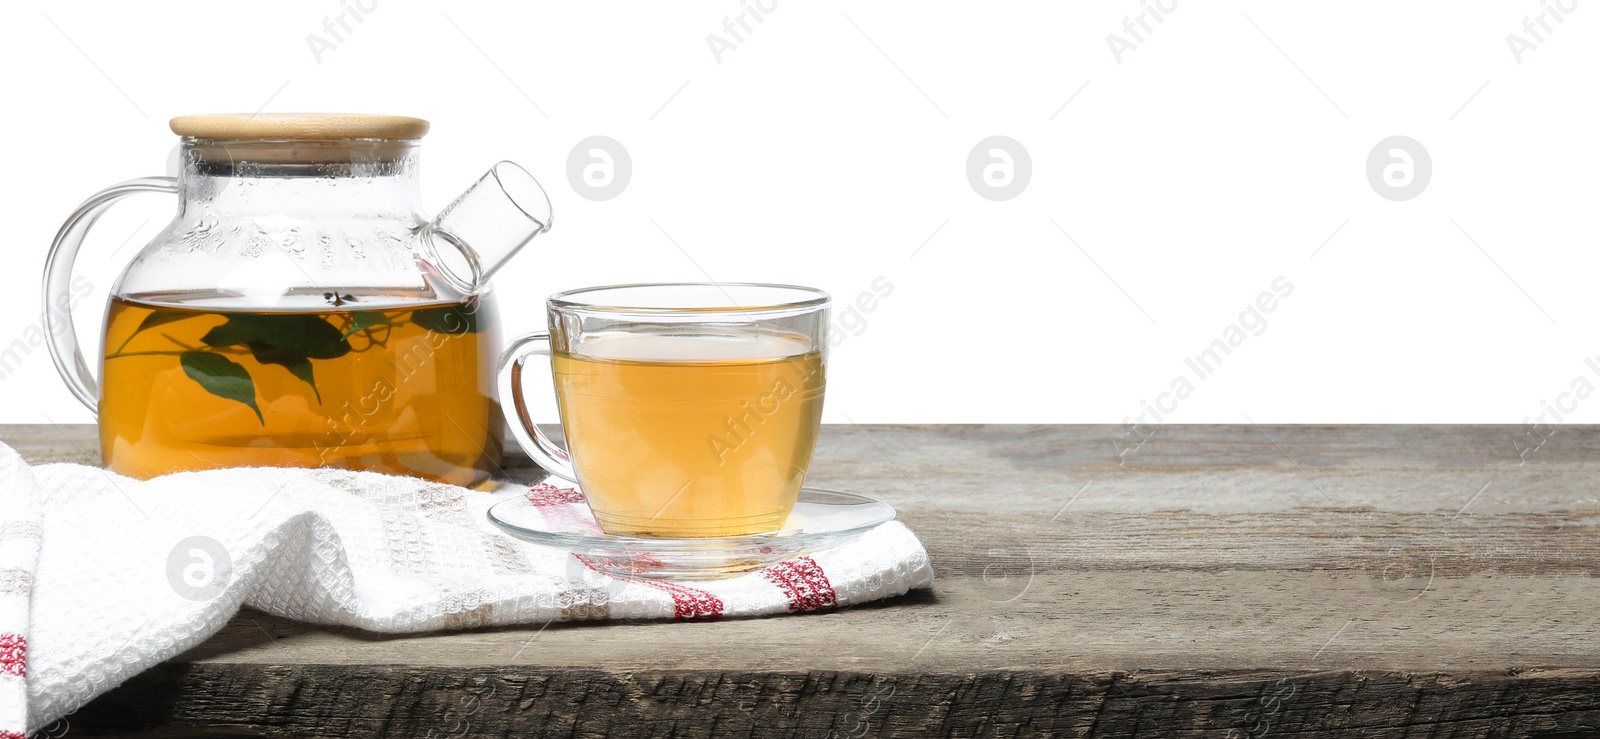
(102, 576)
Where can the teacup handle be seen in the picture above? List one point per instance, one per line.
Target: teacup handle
(552, 458)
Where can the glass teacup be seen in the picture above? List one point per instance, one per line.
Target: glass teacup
(689, 409)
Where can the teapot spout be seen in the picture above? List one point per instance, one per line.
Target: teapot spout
(488, 224)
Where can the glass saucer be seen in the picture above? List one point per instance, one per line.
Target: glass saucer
(821, 519)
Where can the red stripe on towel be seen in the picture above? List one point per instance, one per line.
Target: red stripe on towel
(546, 494)
(687, 602)
(804, 582)
(558, 506)
(13, 655)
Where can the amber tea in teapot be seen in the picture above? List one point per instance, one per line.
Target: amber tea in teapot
(298, 311)
(401, 390)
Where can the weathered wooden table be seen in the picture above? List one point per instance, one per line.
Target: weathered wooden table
(1215, 581)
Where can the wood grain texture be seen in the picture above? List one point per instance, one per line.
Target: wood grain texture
(294, 126)
(1216, 581)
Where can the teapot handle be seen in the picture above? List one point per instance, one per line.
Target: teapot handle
(62, 337)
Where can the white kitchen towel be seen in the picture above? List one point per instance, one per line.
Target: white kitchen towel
(103, 576)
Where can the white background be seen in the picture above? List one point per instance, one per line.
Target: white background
(1223, 151)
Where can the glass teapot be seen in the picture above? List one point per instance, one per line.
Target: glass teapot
(298, 311)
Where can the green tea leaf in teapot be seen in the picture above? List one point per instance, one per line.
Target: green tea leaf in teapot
(234, 331)
(156, 318)
(448, 319)
(362, 320)
(300, 334)
(221, 377)
(297, 365)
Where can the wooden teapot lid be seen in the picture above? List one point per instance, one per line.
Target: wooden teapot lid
(299, 126)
